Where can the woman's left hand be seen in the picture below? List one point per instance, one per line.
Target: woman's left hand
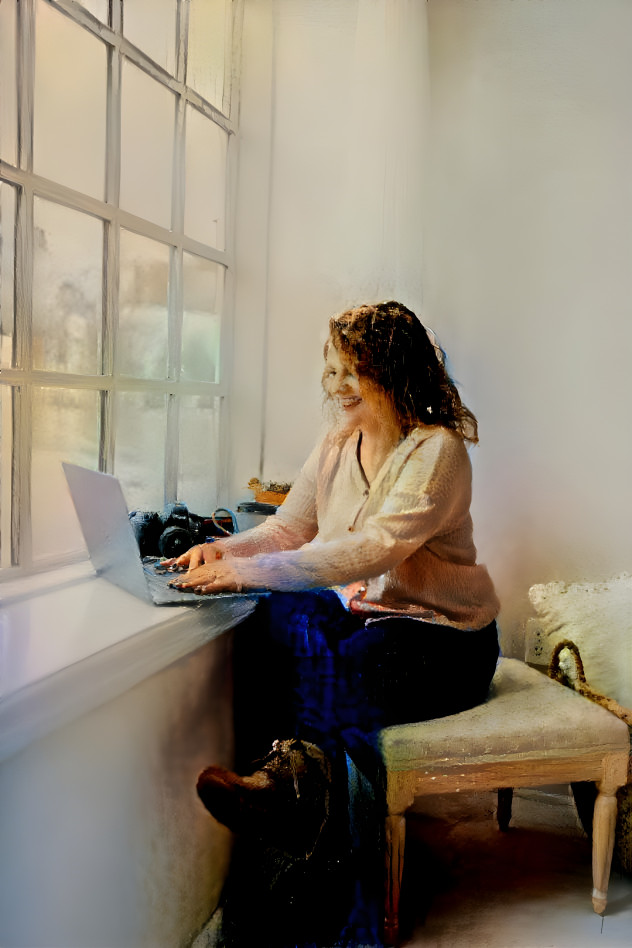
(214, 577)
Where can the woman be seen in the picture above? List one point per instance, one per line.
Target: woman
(402, 627)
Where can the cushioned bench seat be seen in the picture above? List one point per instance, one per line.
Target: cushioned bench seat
(531, 731)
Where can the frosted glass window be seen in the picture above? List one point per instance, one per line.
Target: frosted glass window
(207, 49)
(67, 296)
(147, 125)
(143, 319)
(70, 102)
(7, 253)
(205, 181)
(199, 452)
(6, 437)
(141, 422)
(8, 97)
(201, 321)
(151, 26)
(65, 428)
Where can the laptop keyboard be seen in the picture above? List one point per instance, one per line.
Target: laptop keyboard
(158, 579)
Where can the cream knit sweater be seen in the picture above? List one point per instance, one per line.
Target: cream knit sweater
(407, 537)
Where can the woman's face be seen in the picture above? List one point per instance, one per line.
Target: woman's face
(360, 403)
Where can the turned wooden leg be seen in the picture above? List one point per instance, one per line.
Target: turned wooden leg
(604, 820)
(503, 813)
(395, 841)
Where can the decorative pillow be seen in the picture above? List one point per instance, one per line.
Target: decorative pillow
(598, 618)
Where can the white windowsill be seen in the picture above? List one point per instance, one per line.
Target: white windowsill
(26, 586)
(70, 641)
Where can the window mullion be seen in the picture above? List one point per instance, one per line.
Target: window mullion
(116, 16)
(182, 37)
(111, 252)
(235, 54)
(24, 217)
(234, 19)
(21, 536)
(175, 305)
(172, 449)
(227, 318)
(231, 87)
(172, 445)
(177, 226)
(111, 257)
(26, 82)
(175, 298)
(97, 383)
(113, 133)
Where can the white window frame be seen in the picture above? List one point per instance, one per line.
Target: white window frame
(22, 377)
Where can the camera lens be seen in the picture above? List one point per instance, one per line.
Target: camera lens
(174, 541)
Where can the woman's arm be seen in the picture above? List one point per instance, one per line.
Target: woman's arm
(430, 496)
(293, 525)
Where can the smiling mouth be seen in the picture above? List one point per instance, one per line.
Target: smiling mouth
(349, 401)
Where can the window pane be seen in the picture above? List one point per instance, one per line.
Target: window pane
(7, 254)
(147, 122)
(199, 451)
(203, 298)
(70, 98)
(65, 428)
(207, 46)
(143, 325)
(141, 420)
(205, 183)
(8, 98)
(6, 437)
(151, 26)
(67, 263)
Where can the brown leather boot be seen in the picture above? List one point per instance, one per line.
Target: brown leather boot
(285, 802)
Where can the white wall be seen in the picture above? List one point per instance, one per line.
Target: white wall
(329, 210)
(518, 173)
(527, 275)
(104, 841)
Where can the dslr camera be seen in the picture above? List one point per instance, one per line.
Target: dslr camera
(176, 530)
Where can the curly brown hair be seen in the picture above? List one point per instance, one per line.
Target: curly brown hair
(389, 346)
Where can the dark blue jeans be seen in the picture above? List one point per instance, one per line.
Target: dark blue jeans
(305, 667)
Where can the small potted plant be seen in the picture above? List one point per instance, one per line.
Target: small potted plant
(272, 492)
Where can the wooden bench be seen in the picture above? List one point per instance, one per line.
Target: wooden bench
(531, 731)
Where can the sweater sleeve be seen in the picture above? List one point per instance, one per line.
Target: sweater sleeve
(429, 496)
(294, 523)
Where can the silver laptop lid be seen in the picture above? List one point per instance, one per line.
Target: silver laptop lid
(106, 528)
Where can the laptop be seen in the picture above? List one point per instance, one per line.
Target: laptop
(109, 535)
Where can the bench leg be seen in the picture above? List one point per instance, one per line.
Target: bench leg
(604, 821)
(503, 813)
(395, 842)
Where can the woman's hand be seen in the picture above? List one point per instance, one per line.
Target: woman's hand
(216, 576)
(196, 556)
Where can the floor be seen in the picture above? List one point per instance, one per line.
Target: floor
(467, 885)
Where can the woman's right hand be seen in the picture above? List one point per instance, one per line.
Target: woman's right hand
(198, 555)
